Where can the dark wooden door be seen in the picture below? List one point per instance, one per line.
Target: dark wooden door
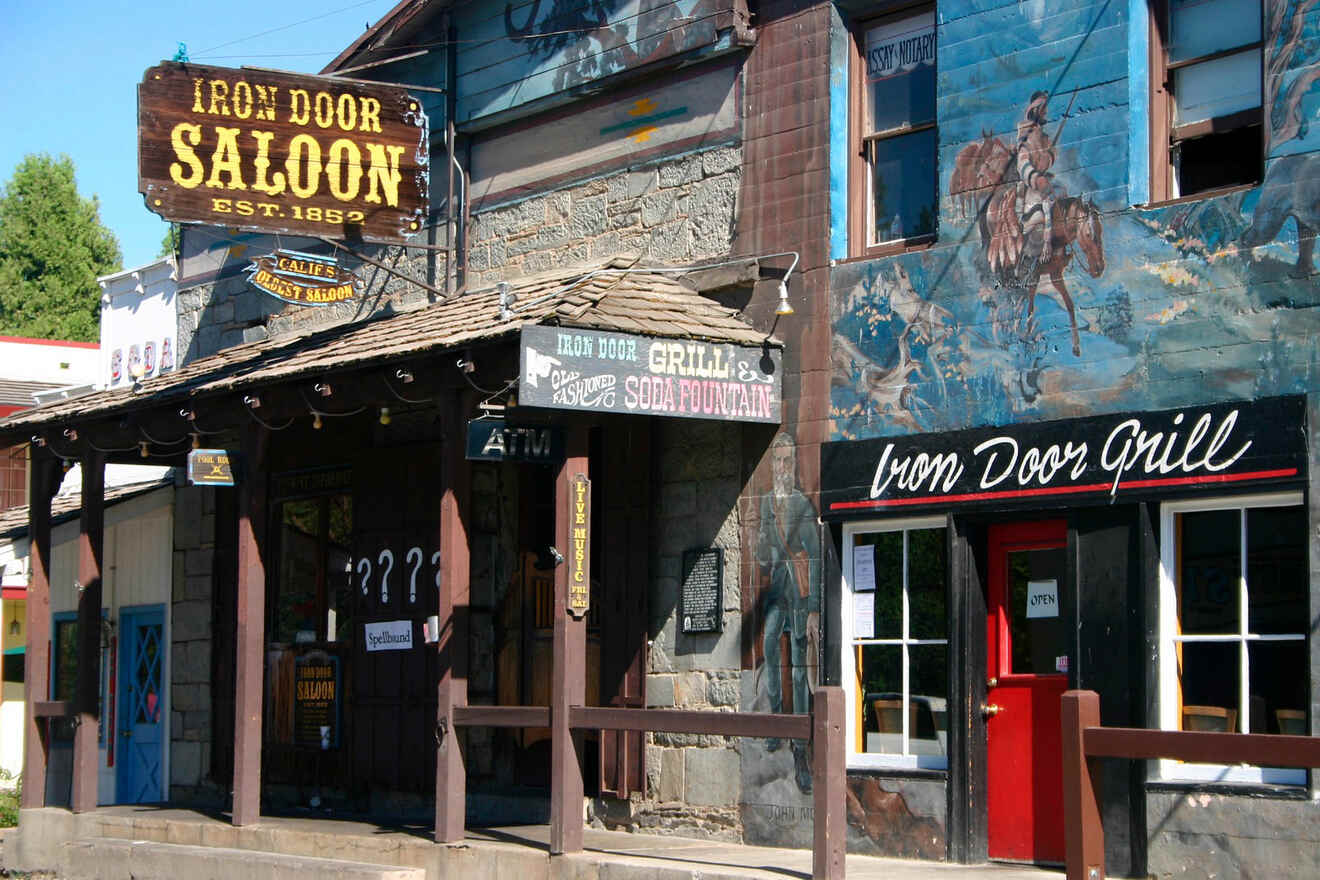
(393, 701)
(622, 508)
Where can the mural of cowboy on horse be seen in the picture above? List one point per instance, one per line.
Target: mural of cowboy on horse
(1029, 226)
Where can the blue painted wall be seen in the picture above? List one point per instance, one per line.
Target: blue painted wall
(1187, 303)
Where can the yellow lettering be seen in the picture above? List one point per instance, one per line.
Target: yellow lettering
(384, 170)
(325, 110)
(184, 151)
(343, 169)
(347, 111)
(305, 188)
(300, 106)
(370, 115)
(197, 96)
(219, 98)
(226, 160)
(242, 99)
(261, 164)
(266, 102)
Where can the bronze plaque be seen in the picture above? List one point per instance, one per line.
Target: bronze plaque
(579, 547)
(282, 153)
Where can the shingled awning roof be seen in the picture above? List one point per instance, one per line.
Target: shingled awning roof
(14, 520)
(612, 297)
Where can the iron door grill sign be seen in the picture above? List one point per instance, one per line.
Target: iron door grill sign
(596, 371)
(210, 467)
(302, 279)
(282, 153)
(1091, 460)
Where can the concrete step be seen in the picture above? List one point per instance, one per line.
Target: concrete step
(106, 858)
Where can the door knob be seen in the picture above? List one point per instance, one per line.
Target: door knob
(991, 682)
(989, 710)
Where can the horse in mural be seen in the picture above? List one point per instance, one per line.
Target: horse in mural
(1291, 189)
(1030, 228)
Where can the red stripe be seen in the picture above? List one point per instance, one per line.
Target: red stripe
(1063, 490)
(14, 593)
(62, 343)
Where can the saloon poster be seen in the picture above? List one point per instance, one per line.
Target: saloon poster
(282, 153)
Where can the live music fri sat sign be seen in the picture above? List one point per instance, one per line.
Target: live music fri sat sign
(282, 153)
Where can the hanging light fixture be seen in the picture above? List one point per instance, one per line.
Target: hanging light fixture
(14, 625)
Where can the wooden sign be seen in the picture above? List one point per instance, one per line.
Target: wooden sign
(567, 368)
(579, 547)
(282, 153)
(302, 279)
(210, 467)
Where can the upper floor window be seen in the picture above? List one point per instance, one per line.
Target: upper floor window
(1206, 104)
(892, 184)
(1234, 605)
(896, 643)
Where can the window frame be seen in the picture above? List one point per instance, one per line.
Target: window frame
(1168, 635)
(1164, 136)
(848, 645)
(859, 179)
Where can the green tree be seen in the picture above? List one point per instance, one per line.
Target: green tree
(169, 245)
(52, 247)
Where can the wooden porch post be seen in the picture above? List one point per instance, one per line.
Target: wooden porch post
(450, 774)
(250, 651)
(44, 481)
(1084, 835)
(569, 682)
(829, 767)
(88, 687)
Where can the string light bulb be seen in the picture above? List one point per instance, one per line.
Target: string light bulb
(384, 415)
(316, 420)
(143, 450)
(196, 441)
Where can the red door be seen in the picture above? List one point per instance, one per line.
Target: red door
(1029, 645)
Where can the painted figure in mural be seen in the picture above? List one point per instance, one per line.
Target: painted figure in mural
(788, 551)
(1291, 189)
(1030, 228)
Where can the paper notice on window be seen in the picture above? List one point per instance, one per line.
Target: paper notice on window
(864, 615)
(863, 569)
(1043, 598)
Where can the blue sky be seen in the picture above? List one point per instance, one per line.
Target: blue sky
(72, 69)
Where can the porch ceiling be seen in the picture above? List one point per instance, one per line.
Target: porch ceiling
(612, 297)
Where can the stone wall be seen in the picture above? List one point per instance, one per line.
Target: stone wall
(190, 644)
(1207, 834)
(676, 210)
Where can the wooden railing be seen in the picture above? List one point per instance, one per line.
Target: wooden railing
(823, 728)
(1085, 743)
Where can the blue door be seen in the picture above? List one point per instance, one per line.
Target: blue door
(141, 706)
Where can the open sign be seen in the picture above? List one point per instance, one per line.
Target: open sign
(1043, 598)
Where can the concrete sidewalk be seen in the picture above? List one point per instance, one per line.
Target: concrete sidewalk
(88, 844)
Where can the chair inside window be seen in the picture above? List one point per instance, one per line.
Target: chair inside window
(1215, 719)
(889, 716)
(1291, 721)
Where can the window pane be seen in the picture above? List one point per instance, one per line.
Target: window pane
(926, 590)
(1278, 675)
(1209, 571)
(1035, 622)
(1200, 27)
(1208, 675)
(1277, 581)
(888, 584)
(1216, 88)
(339, 558)
(928, 677)
(295, 611)
(900, 73)
(903, 186)
(882, 696)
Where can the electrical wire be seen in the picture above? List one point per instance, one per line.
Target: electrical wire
(267, 425)
(321, 412)
(386, 380)
(285, 27)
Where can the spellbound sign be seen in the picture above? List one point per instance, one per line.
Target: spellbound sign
(579, 547)
(302, 279)
(210, 467)
(566, 368)
(282, 153)
(1102, 459)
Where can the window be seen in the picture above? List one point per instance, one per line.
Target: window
(892, 178)
(311, 598)
(895, 637)
(1206, 97)
(1233, 619)
(64, 678)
